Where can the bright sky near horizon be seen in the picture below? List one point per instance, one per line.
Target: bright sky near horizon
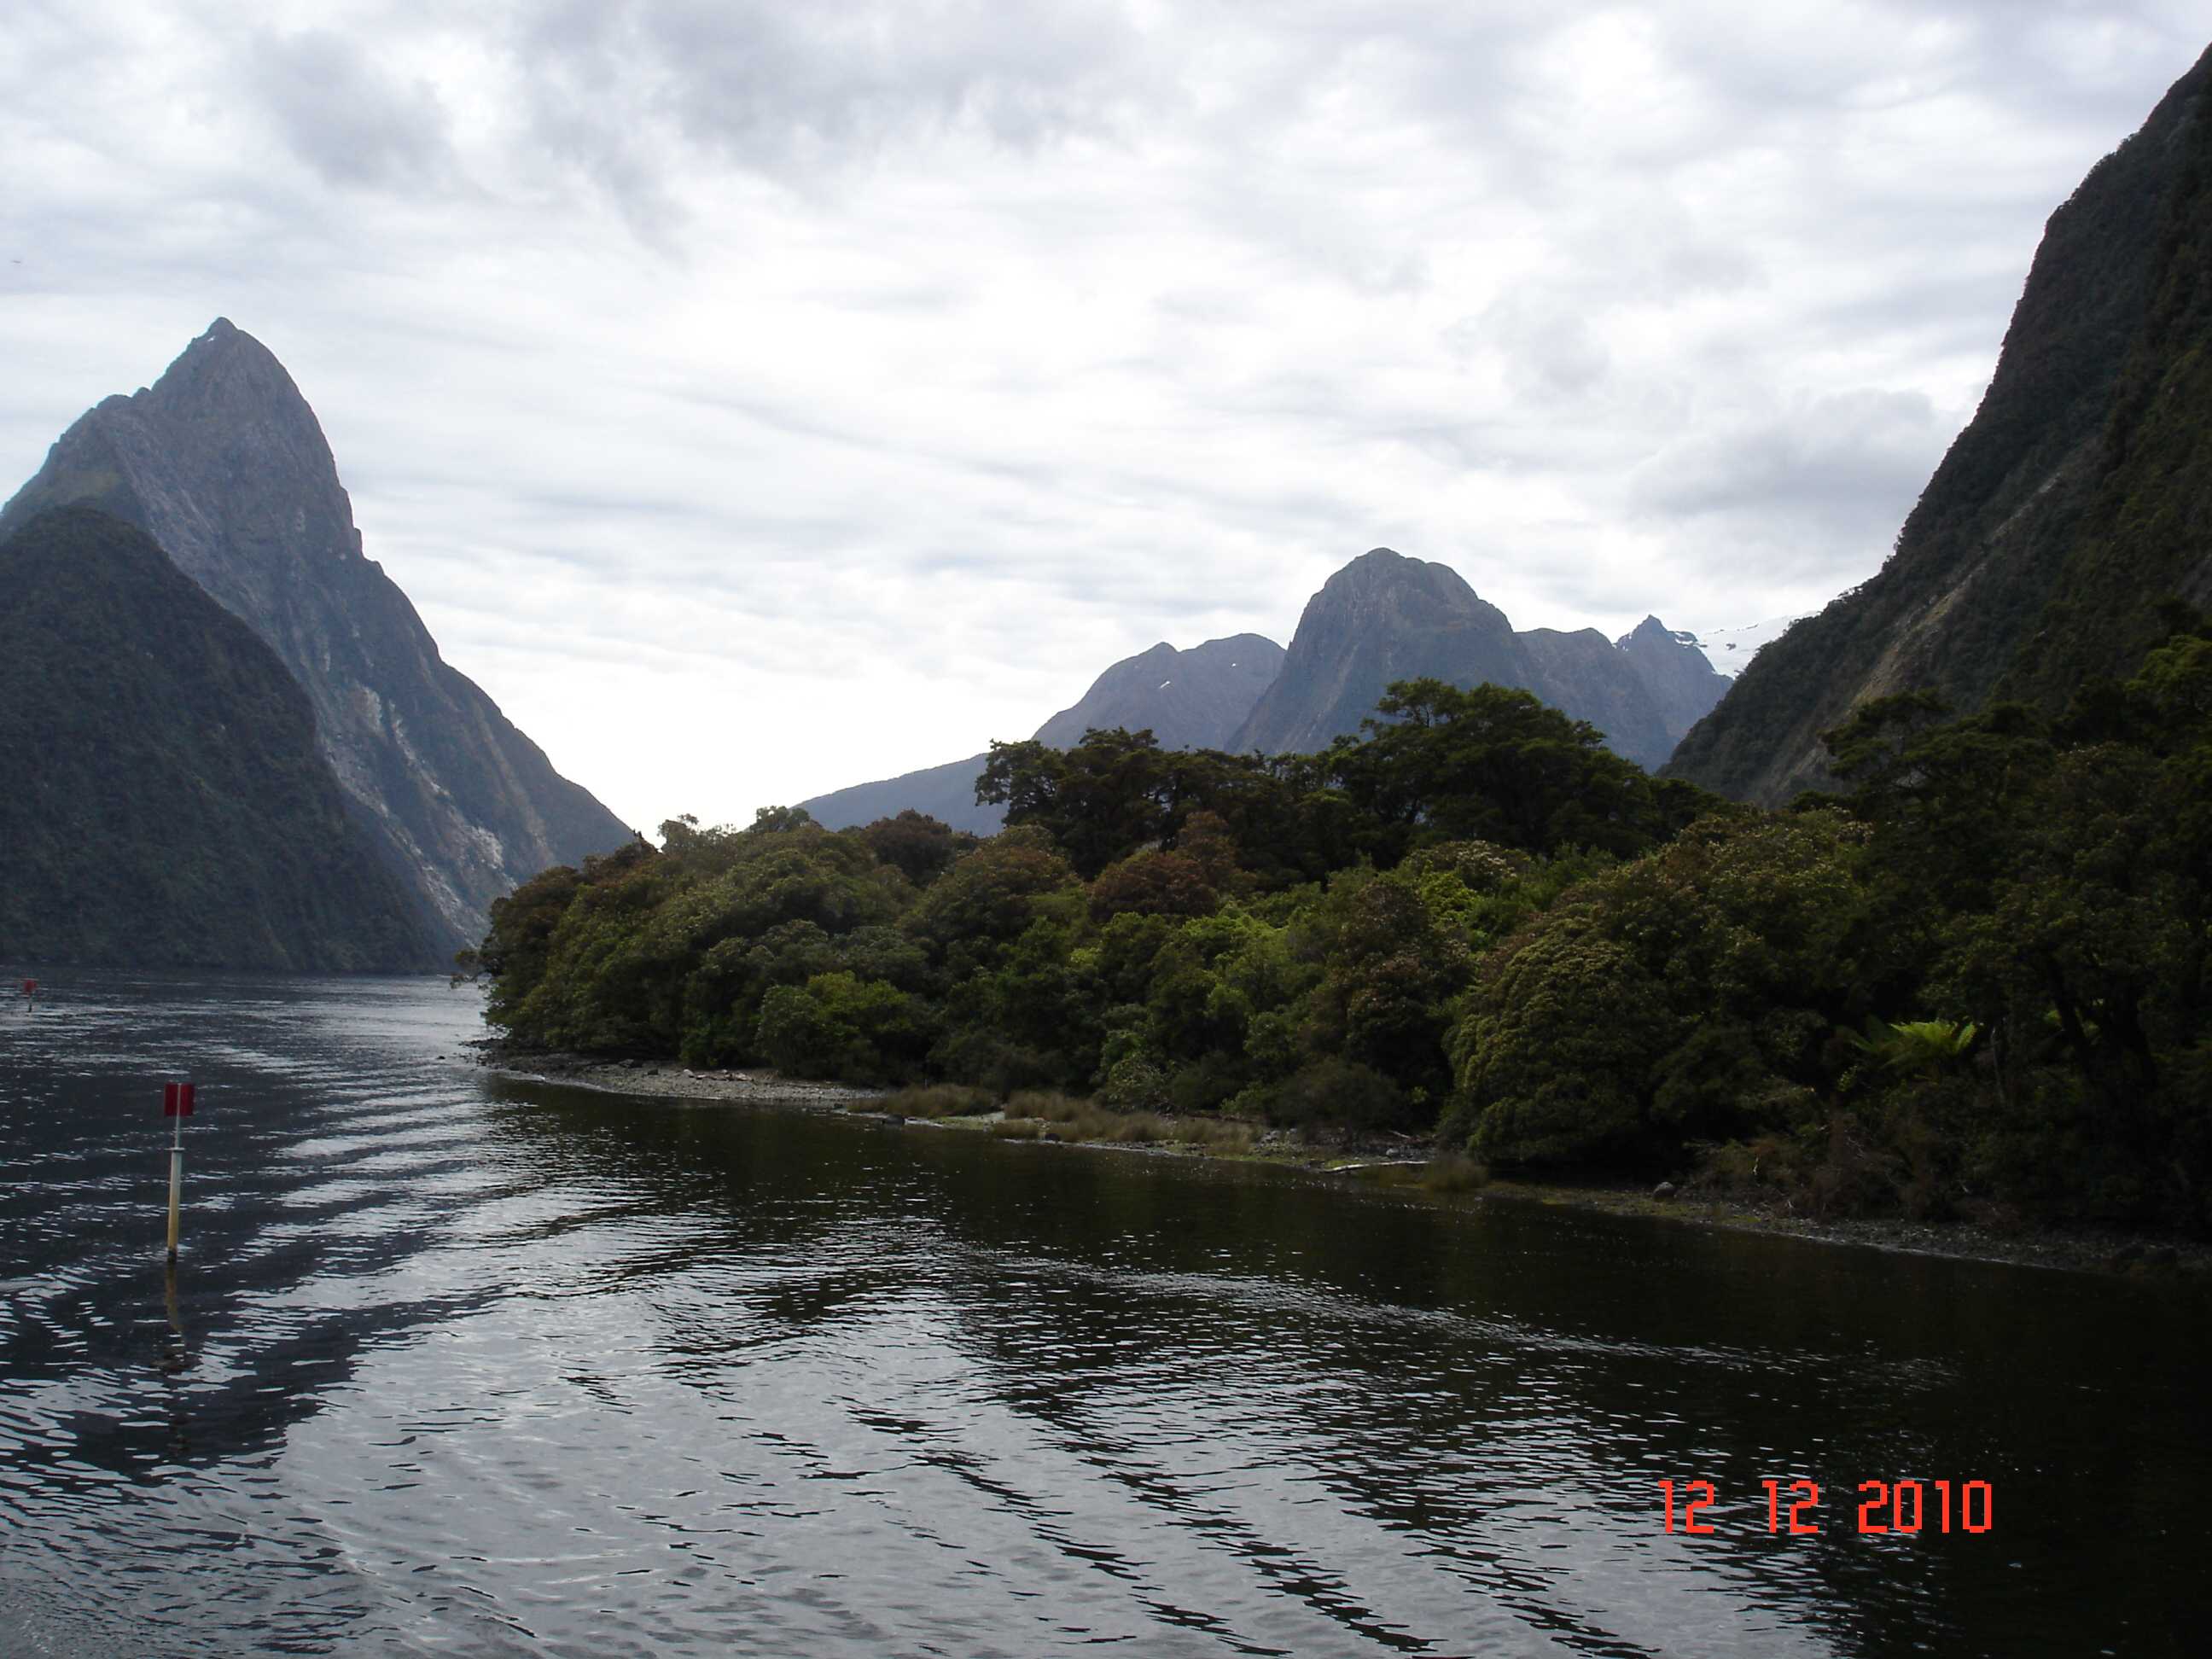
(757, 399)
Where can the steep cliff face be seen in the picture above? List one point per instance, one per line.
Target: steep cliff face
(167, 803)
(1386, 617)
(2075, 499)
(222, 463)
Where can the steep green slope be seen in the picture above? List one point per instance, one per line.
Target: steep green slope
(165, 802)
(2113, 312)
(2148, 530)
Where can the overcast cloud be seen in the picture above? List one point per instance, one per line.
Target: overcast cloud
(758, 399)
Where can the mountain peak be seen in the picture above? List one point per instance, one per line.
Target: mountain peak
(1652, 631)
(1411, 587)
(1189, 699)
(224, 464)
(1385, 617)
(226, 370)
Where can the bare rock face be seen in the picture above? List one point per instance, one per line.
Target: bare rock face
(1192, 699)
(223, 464)
(1386, 617)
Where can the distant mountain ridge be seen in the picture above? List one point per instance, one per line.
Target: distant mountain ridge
(946, 792)
(223, 464)
(1385, 617)
(2077, 498)
(1382, 617)
(167, 805)
(1189, 699)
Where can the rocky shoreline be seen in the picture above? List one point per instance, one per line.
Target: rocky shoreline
(664, 1078)
(2032, 1246)
(2027, 1245)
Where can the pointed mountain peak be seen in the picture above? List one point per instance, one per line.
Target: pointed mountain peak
(222, 341)
(1652, 631)
(226, 368)
(224, 464)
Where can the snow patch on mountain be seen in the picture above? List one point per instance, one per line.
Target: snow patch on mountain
(1731, 649)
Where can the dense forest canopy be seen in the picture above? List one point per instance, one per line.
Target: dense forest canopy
(1976, 979)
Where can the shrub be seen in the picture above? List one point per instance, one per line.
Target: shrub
(1341, 1091)
(1136, 1084)
(1455, 1172)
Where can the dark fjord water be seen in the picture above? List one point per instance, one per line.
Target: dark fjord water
(455, 1365)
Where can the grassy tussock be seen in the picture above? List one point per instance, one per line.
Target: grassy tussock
(1455, 1172)
(1069, 1119)
(1031, 1113)
(938, 1100)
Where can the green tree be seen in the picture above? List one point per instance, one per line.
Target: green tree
(837, 1025)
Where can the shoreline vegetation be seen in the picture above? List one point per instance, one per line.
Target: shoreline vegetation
(1973, 989)
(1404, 1163)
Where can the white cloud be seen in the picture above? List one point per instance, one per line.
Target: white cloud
(758, 399)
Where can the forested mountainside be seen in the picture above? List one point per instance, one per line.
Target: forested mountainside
(2077, 499)
(167, 803)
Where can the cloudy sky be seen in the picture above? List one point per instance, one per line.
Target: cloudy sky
(758, 399)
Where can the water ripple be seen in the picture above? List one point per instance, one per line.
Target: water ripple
(454, 1366)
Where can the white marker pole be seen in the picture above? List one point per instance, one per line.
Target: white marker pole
(177, 1102)
(176, 1184)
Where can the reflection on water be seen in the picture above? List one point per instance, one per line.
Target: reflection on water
(455, 1365)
